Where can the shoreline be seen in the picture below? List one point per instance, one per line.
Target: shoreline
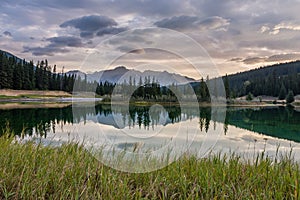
(38, 97)
(60, 103)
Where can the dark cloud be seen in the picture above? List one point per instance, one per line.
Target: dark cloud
(7, 34)
(137, 51)
(177, 22)
(128, 49)
(236, 59)
(92, 25)
(184, 22)
(254, 60)
(283, 57)
(110, 30)
(272, 58)
(44, 51)
(87, 34)
(57, 45)
(213, 23)
(257, 28)
(65, 41)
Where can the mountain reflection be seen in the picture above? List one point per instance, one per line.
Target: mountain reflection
(281, 122)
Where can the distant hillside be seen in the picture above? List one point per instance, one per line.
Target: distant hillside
(121, 74)
(18, 74)
(269, 80)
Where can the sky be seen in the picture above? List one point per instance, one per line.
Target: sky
(234, 35)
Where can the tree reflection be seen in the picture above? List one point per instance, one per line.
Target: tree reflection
(282, 122)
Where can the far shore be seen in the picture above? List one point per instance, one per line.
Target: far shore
(32, 98)
(8, 106)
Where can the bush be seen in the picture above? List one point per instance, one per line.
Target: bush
(249, 97)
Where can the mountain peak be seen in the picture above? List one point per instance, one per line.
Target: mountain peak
(120, 68)
(121, 74)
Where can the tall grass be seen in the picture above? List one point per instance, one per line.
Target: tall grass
(31, 171)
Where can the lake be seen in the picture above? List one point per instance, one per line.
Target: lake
(157, 129)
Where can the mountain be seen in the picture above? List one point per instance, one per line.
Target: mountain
(121, 74)
(10, 55)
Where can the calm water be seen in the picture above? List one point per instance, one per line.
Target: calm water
(150, 128)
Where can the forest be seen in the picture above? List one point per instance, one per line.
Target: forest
(275, 80)
(19, 74)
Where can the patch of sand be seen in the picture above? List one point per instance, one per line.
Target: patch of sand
(8, 106)
(15, 93)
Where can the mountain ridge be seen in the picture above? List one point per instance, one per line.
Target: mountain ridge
(121, 74)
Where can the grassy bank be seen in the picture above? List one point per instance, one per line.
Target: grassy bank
(30, 171)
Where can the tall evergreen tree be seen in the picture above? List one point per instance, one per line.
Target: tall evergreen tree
(290, 97)
(226, 85)
(282, 93)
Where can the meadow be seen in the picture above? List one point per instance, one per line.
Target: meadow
(33, 171)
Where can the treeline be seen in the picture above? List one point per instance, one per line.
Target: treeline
(275, 80)
(21, 75)
(147, 89)
(150, 89)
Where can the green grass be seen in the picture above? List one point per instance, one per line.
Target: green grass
(31, 171)
(8, 97)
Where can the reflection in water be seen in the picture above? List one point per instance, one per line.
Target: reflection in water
(40, 120)
(280, 122)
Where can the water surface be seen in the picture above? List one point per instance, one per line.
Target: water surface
(150, 128)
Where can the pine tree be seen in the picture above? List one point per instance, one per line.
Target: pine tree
(203, 93)
(282, 93)
(17, 77)
(290, 97)
(226, 85)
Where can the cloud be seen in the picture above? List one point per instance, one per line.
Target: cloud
(92, 25)
(283, 57)
(138, 36)
(65, 41)
(146, 7)
(213, 23)
(132, 50)
(57, 45)
(285, 26)
(177, 22)
(272, 58)
(254, 60)
(279, 27)
(236, 59)
(7, 34)
(44, 51)
(264, 29)
(91, 20)
(110, 30)
(184, 22)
